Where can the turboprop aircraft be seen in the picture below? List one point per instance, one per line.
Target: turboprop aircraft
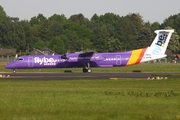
(90, 59)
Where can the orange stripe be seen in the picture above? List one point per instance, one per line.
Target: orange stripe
(136, 56)
(141, 55)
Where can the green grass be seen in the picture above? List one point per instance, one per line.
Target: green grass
(144, 67)
(123, 99)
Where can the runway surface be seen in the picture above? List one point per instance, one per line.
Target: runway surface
(72, 76)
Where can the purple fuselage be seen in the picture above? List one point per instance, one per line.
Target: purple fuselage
(72, 60)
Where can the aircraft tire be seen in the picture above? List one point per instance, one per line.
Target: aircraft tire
(85, 70)
(14, 71)
(89, 70)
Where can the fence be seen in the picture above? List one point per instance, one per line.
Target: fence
(162, 60)
(6, 59)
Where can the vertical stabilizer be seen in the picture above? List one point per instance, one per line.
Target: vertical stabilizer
(160, 43)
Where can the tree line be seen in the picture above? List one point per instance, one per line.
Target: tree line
(104, 33)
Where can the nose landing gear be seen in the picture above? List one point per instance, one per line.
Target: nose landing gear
(14, 71)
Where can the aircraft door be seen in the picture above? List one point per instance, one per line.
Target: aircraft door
(62, 62)
(30, 62)
(118, 59)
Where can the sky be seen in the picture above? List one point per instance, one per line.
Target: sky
(150, 10)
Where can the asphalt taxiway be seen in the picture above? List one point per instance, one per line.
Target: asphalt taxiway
(70, 76)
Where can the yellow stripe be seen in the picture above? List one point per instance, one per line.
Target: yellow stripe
(134, 57)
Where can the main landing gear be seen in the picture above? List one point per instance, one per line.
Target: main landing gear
(87, 69)
(14, 71)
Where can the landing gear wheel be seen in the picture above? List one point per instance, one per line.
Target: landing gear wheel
(89, 70)
(14, 71)
(84, 70)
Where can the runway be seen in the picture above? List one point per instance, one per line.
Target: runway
(72, 76)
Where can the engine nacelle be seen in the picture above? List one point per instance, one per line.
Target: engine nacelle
(64, 57)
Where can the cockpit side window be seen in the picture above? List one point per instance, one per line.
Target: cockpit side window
(19, 59)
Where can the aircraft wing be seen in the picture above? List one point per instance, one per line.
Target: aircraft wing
(91, 56)
(83, 57)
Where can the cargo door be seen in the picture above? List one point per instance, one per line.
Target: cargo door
(30, 62)
(118, 59)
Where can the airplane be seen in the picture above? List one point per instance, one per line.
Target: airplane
(87, 60)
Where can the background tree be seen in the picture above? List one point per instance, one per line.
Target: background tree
(114, 45)
(58, 18)
(57, 45)
(144, 38)
(127, 30)
(100, 38)
(174, 44)
(2, 13)
(172, 21)
(36, 43)
(103, 33)
(154, 26)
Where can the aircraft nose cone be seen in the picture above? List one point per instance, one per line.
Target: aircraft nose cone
(9, 66)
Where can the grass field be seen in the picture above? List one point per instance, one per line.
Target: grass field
(124, 99)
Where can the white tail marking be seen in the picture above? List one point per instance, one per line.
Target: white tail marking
(161, 41)
(159, 45)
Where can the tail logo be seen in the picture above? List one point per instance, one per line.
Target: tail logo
(159, 46)
(162, 40)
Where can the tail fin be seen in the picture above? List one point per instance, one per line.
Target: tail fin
(158, 47)
(160, 43)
